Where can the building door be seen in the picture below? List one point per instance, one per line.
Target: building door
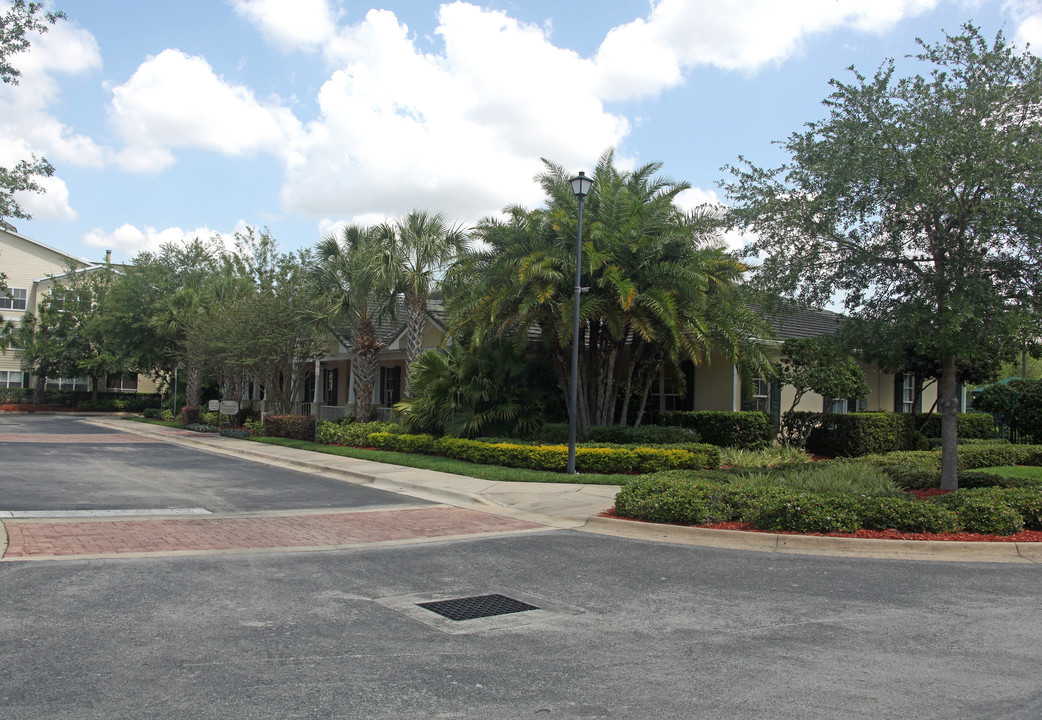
(331, 384)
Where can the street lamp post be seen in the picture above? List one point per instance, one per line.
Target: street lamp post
(581, 187)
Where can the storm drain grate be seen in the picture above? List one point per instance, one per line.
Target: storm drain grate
(479, 606)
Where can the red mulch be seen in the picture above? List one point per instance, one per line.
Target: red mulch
(1023, 536)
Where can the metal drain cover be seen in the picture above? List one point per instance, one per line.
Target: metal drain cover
(479, 606)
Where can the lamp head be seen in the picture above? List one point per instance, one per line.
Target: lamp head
(581, 185)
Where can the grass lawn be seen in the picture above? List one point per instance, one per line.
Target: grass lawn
(448, 465)
(1021, 471)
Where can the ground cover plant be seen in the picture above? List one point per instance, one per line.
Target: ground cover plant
(874, 497)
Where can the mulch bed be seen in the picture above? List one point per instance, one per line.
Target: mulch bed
(18, 407)
(1023, 536)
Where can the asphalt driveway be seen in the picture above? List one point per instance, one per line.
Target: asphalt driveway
(63, 463)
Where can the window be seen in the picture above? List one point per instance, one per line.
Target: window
(908, 394)
(11, 379)
(74, 384)
(14, 299)
(121, 383)
(838, 405)
(390, 385)
(761, 395)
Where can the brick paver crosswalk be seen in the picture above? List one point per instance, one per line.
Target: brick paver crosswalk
(56, 538)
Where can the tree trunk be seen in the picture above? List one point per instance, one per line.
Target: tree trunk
(193, 387)
(38, 389)
(949, 418)
(94, 389)
(415, 321)
(366, 367)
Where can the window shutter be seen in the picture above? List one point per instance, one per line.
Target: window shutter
(899, 383)
(918, 395)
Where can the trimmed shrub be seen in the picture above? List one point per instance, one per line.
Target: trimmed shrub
(353, 434)
(856, 434)
(807, 513)
(982, 511)
(673, 500)
(907, 515)
(979, 456)
(152, 413)
(167, 415)
(549, 433)
(747, 430)
(643, 435)
(191, 415)
(1028, 503)
(971, 426)
(295, 427)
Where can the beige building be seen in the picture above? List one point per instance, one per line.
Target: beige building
(30, 267)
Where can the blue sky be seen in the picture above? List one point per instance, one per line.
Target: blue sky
(166, 120)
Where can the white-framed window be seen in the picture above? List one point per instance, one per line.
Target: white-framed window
(760, 399)
(79, 384)
(839, 405)
(12, 379)
(908, 393)
(14, 299)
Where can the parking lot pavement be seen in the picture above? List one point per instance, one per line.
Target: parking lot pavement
(63, 463)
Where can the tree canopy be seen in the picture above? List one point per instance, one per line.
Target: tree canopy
(658, 288)
(915, 201)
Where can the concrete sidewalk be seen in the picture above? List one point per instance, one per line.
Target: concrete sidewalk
(570, 505)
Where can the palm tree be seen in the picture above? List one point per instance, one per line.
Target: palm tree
(416, 250)
(660, 289)
(351, 302)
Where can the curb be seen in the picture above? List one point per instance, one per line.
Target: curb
(934, 550)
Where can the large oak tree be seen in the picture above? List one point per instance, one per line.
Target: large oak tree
(916, 199)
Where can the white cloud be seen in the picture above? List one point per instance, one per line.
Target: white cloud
(688, 200)
(176, 100)
(53, 204)
(25, 109)
(1030, 31)
(648, 55)
(131, 240)
(461, 132)
(290, 24)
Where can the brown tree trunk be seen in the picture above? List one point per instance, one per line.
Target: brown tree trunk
(949, 420)
(193, 387)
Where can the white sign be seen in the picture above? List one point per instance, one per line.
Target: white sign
(229, 407)
(214, 405)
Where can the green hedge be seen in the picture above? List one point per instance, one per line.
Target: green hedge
(976, 426)
(854, 434)
(352, 434)
(746, 430)
(606, 460)
(643, 435)
(687, 499)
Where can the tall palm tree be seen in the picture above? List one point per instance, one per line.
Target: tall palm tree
(417, 249)
(351, 302)
(660, 289)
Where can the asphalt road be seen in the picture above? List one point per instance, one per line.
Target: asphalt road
(66, 464)
(625, 629)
